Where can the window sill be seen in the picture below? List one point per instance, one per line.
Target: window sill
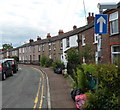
(83, 45)
(95, 43)
(67, 46)
(114, 34)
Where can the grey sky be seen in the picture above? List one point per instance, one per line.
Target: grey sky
(24, 19)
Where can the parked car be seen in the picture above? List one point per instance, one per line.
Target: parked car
(13, 63)
(5, 69)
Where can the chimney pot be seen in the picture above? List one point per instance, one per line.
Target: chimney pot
(60, 31)
(92, 14)
(89, 14)
(74, 27)
(31, 40)
(90, 18)
(38, 38)
(48, 35)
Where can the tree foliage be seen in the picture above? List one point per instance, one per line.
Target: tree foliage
(73, 56)
(7, 46)
(87, 52)
(107, 96)
(74, 59)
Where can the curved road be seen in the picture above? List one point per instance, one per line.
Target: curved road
(26, 89)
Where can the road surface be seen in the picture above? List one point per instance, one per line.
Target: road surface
(26, 89)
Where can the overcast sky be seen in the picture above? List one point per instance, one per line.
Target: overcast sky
(21, 20)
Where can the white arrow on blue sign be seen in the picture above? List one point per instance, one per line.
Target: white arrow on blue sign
(101, 23)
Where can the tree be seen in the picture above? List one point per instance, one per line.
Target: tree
(74, 59)
(73, 56)
(87, 53)
(16, 58)
(7, 46)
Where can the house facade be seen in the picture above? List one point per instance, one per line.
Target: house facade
(1, 54)
(70, 40)
(110, 43)
(34, 50)
(55, 47)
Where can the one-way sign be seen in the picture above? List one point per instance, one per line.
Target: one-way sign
(101, 22)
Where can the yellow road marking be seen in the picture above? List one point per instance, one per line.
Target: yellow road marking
(41, 100)
(42, 91)
(36, 98)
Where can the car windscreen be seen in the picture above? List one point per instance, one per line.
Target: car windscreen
(10, 62)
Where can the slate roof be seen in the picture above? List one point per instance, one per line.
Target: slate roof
(59, 37)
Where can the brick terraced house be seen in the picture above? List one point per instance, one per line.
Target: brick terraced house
(55, 47)
(50, 47)
(110, 42)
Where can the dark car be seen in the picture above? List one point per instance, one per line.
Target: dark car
(13, 63)
(5, 69)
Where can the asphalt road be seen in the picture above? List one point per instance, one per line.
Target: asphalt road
(26, 89)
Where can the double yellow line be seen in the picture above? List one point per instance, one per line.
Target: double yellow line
(42, 91)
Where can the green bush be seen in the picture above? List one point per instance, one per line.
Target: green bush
(58, 64)
(89, 68)
(74, 59)
(107, 96)
(80, 80)
(48, 62)
(45, 61)
(16, 58)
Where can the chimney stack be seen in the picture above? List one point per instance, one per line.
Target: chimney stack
(31, 40)
(48, 35)
(90, 18)
(38, 38)
(60, 32)
(74, 27)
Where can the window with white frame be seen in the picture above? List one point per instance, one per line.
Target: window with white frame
(19, 57)
(49, 46)
(33, 49)
(39, 47)
(43, 48)
(96, 38)
(61, 44)
(113, 23)
(23, 50)
(67, 42)
(83, 39)
(19, 50)
(54, 46)
(115, 50)
(30, 49)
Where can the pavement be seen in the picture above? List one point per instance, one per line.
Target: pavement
(59, 89)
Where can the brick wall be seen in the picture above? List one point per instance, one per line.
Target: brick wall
(89, 39)
(109, 40)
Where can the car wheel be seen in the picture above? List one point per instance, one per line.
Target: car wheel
(4, 76)
(15, 71)
(11, 73)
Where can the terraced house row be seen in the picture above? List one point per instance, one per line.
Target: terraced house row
(55, 47)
